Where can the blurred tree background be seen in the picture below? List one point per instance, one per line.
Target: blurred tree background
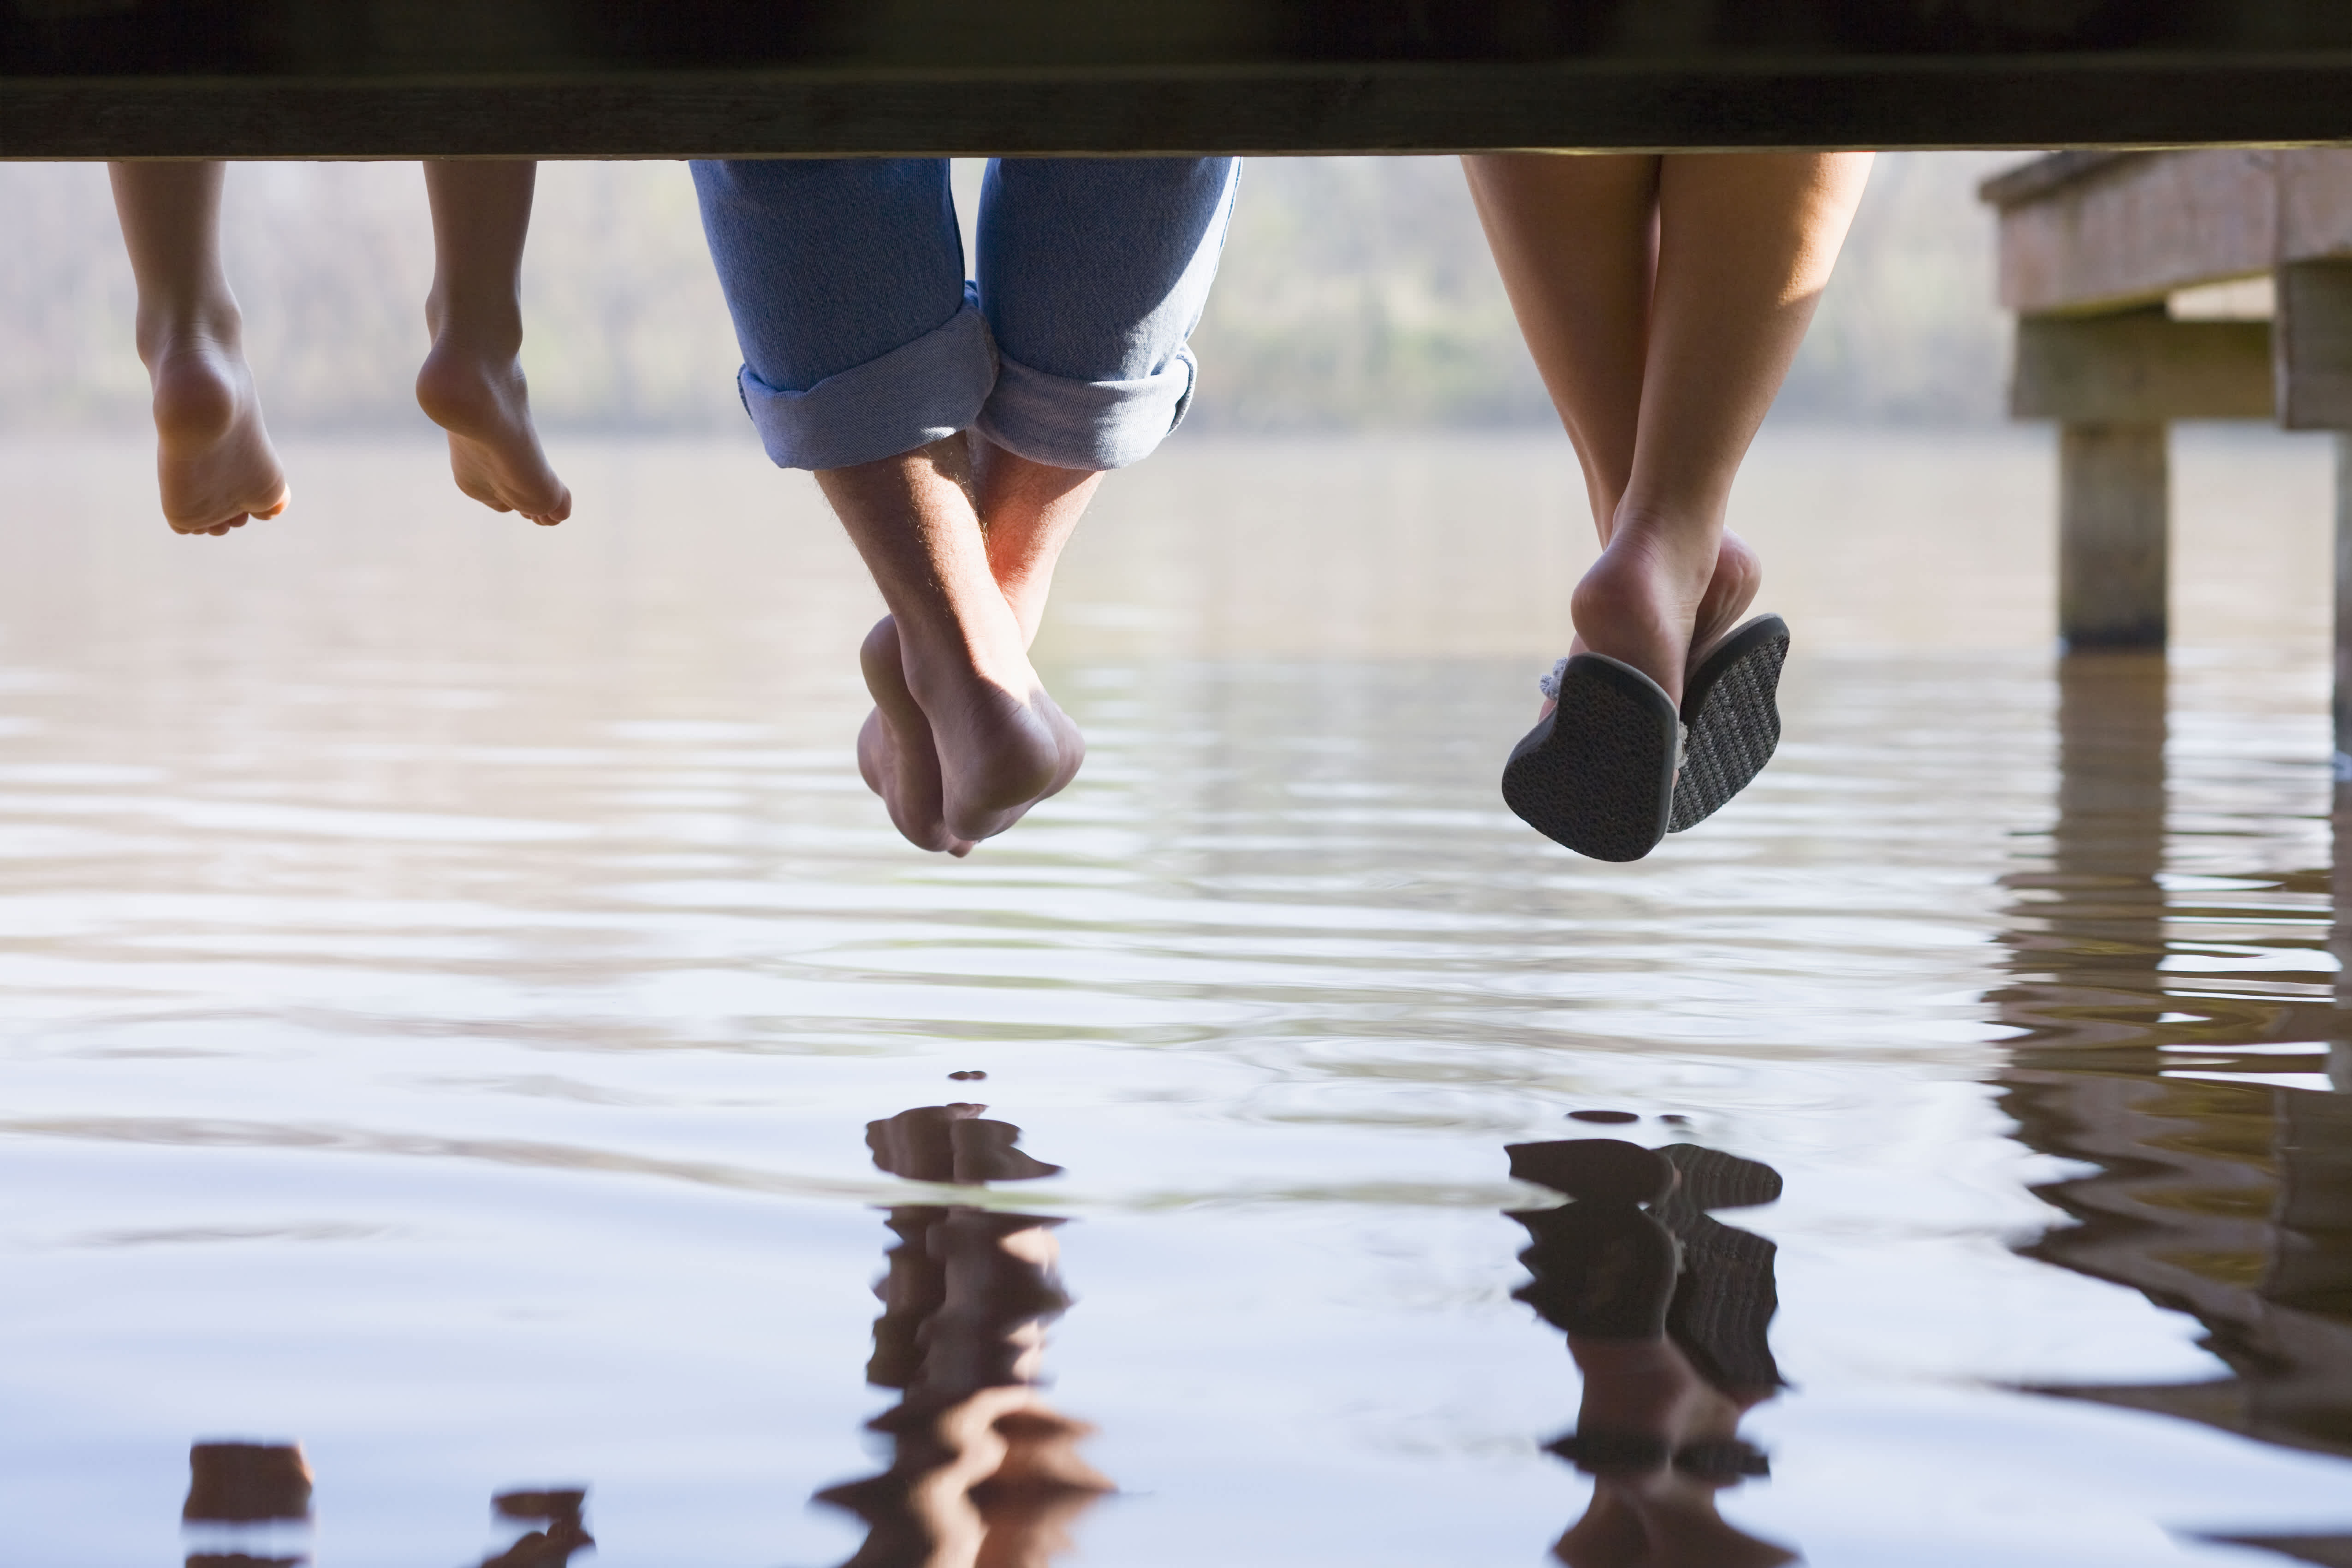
(1356, 294)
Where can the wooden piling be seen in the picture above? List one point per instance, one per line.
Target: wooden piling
(2114, 535)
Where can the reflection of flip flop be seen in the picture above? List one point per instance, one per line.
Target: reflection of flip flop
(1596, 1170)
(1603, 1271)
(1734, 720)
(1597, 774)
(1711, 1461)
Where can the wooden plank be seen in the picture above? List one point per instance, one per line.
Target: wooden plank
(2137, 229)
(676, 78)
(2113, 527)
(2140, 367)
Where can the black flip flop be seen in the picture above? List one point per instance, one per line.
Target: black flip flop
(1733, 717)
(1597, 774)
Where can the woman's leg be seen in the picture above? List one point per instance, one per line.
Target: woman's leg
(472, 383)
(213, 462)
(1743, 245)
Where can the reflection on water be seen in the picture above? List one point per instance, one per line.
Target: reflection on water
(1666, 1310)
(243, 1495)
(446, 969)
(2215, 1188)
(982, 1470)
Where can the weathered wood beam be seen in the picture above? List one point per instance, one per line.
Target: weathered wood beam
(2115, 508)
(2313, 345)
(2102, 232)
(90, 79)
(2131, 230)
(2140, 367)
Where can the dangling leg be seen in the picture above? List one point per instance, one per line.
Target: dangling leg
(213, 462)
(1663, 300)
(472, 383)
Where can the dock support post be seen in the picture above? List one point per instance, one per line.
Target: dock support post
(2115, 507)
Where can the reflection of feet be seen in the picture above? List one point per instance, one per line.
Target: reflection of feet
(956, 755)
(494, 453)
(213, 462)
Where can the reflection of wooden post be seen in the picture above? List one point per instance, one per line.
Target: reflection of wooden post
(2114, 508)
(2113, 382)
(2311, 356)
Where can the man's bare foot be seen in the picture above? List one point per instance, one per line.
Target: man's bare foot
(896, 754)
(213, 462)
(955, 753)
(494, 453)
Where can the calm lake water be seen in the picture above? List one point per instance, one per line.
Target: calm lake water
(451, 970)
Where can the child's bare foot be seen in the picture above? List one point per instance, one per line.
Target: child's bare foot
(213, 462)
(997, 744)
(494, 453)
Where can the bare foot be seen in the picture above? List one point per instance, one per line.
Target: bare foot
(1738, 574)
(494, 452)
(1730, 589)
(955, 755)
(213, 462)
(896, 754)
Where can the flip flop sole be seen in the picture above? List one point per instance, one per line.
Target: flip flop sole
(1734, 715)
(1598, 774)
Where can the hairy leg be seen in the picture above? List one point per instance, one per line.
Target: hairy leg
(1746, 245)
(1027, 511)
(964, 739)
(213, 462)
(472, 382)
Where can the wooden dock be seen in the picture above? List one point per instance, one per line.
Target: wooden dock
(667, 79)
(2211, 283)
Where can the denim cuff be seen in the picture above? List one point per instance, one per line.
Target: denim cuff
(1090, 424)
(916, 394)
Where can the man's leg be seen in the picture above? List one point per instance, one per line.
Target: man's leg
(864, 361)
(1030, 511)
(963, 739)
(1093, 273)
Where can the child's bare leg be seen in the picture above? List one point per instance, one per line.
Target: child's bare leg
(969, 739)
(1027, 511)
(472, 382)
(213, 462)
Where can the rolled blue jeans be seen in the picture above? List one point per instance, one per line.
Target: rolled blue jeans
(862, 339)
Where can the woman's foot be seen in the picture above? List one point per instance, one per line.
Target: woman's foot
(1620, 595)
(955, 751)
(213, 462)
(494, 453)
